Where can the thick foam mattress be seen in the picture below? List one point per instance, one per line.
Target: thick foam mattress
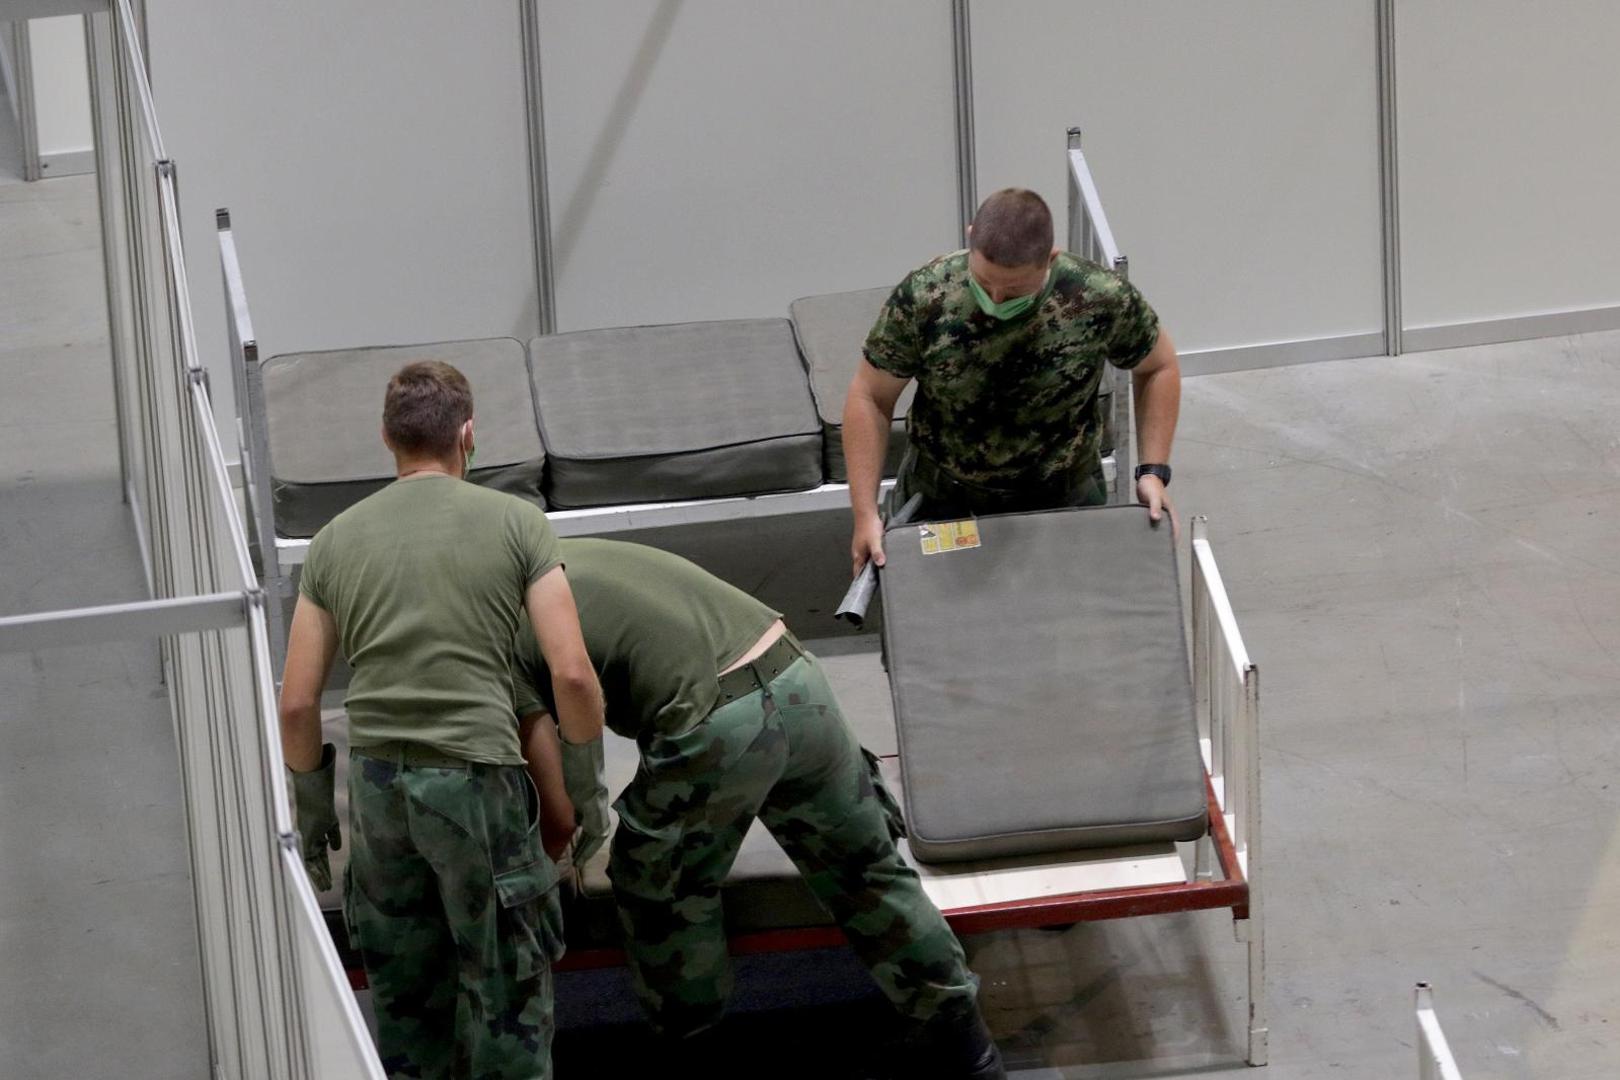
(666, 413)
(325, 418)
(831, 331)
(1041, 692)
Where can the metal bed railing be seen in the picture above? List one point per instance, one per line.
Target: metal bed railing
(276, 998)
(1226, 691)
(1435, 1061)
(1091, 237)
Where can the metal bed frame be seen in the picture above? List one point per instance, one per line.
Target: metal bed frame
(1122, 883)
(1225, 865)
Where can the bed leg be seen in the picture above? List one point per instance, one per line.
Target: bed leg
(1250, 931)
(1203, 850)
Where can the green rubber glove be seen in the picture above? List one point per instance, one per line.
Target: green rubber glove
(586, 784)
(315, 804)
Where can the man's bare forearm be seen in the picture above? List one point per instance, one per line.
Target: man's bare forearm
(866, 444)
(1158, 406)
(579, 705)
(301, 736)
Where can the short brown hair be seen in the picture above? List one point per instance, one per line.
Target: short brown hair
(1013, 228)
(426, 404)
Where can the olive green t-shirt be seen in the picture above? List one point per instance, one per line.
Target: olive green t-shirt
(1000, 402)
(658, 629)
(426, 580)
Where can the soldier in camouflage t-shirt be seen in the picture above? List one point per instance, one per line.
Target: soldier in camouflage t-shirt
(1007, 341)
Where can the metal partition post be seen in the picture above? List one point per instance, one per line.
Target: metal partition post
(1090, 237)
(545, 284)
(96, 44)
(253, 438)
(1435, 1060)
(967, 159)
(1389, 174)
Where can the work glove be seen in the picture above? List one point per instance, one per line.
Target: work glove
(586, 784)
(315, 806)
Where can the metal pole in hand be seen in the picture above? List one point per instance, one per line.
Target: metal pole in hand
(864, 587)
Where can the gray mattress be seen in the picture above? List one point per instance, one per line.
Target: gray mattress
(1041, 691)
(325, 417)
(831, 331)
(663, 413)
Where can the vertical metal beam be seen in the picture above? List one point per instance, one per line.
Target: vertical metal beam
(102, 138)
(545, 287)
(1073, 242)
(27, 111)
(1388, 160)
(967, 161)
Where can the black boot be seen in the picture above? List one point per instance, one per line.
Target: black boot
(965, 1049)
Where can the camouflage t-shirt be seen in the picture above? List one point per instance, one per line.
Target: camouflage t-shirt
(1000, 402)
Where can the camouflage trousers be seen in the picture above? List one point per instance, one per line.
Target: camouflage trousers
(786, 755)
(453, 906)
(947, 497)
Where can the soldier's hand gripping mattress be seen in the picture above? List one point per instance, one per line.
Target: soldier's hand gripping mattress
(831, 331)
(1041, 689)
(324, 411)
(666, 413)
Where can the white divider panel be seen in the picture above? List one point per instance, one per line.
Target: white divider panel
(716, 160)
(1235, 144)
(1508, 159)
(375, 156)
(333, 1026)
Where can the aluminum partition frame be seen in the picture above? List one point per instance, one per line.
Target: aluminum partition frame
(27, 114)
(1090, 237)
(209, 610)
(1389, 179)
(253, 439)
(967, 155)
(1435, 1060)
(545, 275)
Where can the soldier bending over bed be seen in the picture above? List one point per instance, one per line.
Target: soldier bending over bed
(735, 720)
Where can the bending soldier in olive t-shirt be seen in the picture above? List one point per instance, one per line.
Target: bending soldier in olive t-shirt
(735, 720)
(449, 897)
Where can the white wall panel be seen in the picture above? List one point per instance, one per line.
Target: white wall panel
(717, 159)
(61, 85)
(1509, 163)
(374, 158)
(1235, 147)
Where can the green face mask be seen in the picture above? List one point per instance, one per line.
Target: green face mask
(1007, 309)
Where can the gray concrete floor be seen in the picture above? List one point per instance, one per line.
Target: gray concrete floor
(1421, 552)
(98, 952)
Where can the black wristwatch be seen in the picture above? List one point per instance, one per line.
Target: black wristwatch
(1161, 471)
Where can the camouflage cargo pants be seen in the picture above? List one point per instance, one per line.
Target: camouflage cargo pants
(454, 908)
(787, 756)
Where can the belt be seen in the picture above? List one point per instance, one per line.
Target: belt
(410, 754)
(761, 671)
